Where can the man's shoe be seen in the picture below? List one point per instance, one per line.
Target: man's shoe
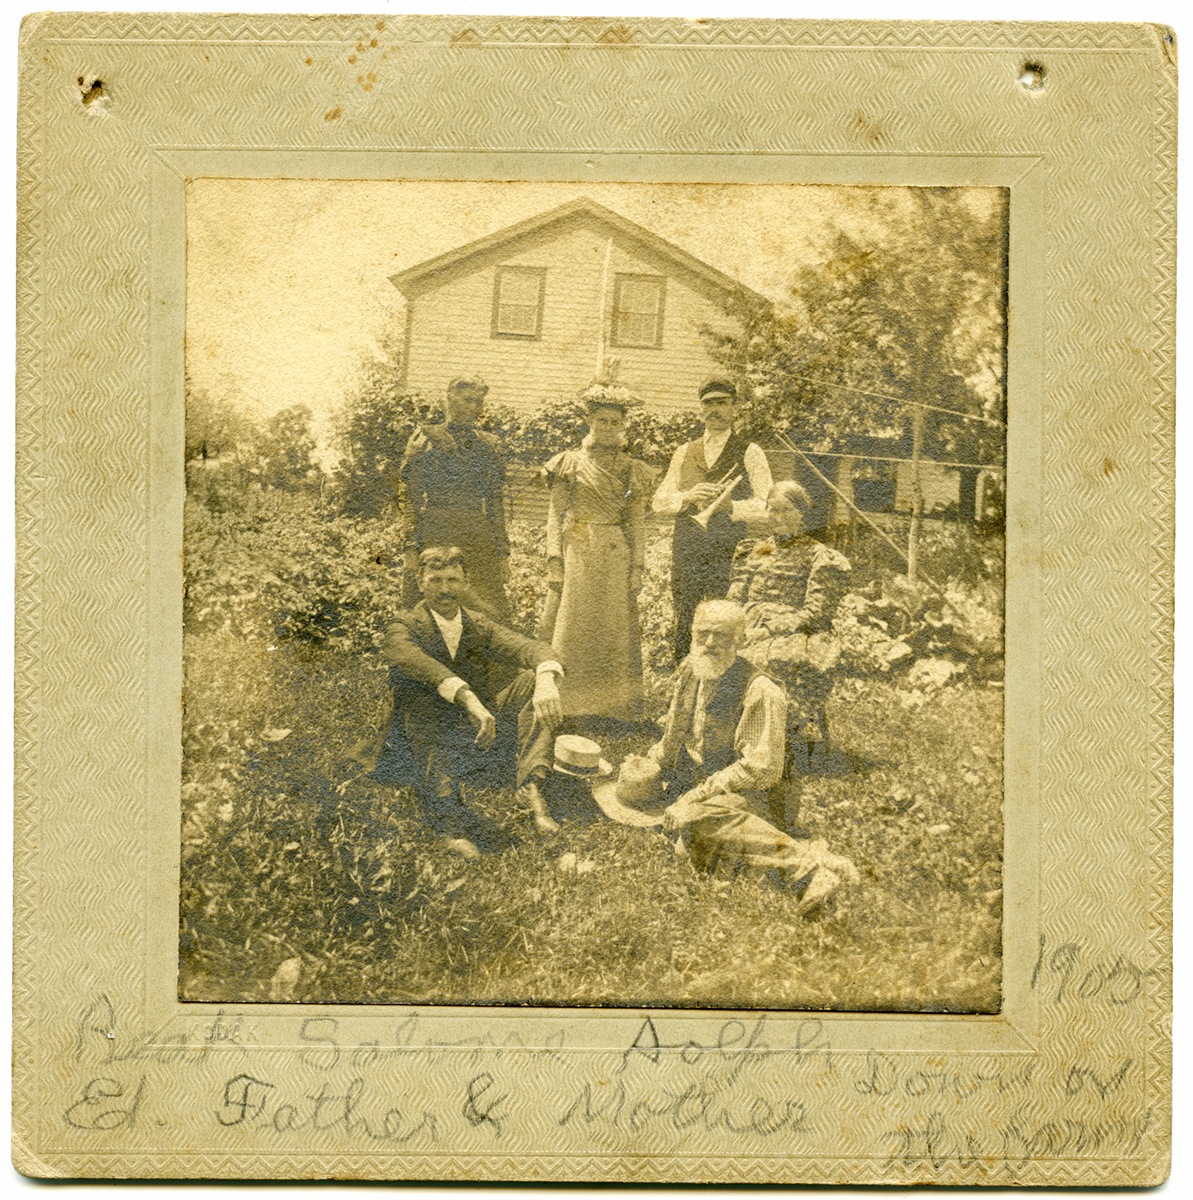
(461, 846)
(820, 887)
(531, 795)
(843, 867)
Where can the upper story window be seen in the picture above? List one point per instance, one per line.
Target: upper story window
(638, 310)
(518, 301)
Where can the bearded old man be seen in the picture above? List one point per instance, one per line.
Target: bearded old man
(722, 750)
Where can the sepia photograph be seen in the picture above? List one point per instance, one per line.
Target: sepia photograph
(594, 595)
(594, 600)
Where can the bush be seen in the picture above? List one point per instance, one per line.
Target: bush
(533, 438)
(280, 567)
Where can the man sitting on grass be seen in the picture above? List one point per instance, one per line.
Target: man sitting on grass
(448, 726)
(722, 749)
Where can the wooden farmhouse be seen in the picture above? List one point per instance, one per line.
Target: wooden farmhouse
(538, 307)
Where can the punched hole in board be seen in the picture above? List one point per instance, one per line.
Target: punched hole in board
(1031, 77)
(93, 92)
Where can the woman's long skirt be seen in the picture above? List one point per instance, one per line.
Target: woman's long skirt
(596, 633)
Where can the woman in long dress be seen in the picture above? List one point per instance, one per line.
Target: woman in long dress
(595, 552)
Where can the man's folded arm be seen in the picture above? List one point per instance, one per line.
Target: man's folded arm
(401, 650)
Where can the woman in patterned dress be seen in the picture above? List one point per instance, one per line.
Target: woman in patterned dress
(595, 554)
(791, 586)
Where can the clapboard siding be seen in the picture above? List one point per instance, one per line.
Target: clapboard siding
(450, 316)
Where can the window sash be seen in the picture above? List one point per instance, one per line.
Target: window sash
(518, 301)
(638, 310)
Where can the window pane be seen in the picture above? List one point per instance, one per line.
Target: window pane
(520, 287)
(517, 318)
(640, 296)
(637, 327)
(518, 301)
(636, 320)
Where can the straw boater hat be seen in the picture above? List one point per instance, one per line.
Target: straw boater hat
(580, 757)
(636, 796)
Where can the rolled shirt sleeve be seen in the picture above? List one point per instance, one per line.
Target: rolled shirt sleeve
(450, 688)
(761, 482)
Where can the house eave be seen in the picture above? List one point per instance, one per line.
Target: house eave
(408, 281)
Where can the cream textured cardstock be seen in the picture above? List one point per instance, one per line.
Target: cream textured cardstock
(115, 1077)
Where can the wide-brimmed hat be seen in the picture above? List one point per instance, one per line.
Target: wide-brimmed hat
(580, 757)
(472, 382)
(636, 796)
(600, 394)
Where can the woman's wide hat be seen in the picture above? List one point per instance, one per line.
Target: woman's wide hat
(579, 757)
(636, 796)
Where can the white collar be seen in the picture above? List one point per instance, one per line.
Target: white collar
(452, 629)
(717, 440)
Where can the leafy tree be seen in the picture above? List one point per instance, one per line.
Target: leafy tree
(283, 453)
(900, 331)
(214, 428)
(372, 432)
(912, 314)
(220, 450)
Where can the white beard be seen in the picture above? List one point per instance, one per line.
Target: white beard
(711, 666)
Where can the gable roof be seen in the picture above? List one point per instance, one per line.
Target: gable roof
(410, 279)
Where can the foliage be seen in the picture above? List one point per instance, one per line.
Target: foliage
(913, 313)
(214, 427)
(282, 454)
(287, 854)
(371, 434)
(380, 416)
(533, 438)
(280, 567)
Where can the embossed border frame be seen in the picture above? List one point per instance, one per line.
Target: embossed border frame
(100, 515)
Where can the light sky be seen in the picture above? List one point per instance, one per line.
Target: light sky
(288, 280)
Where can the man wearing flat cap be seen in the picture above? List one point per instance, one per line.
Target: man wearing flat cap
(454, 477)
(700, 474)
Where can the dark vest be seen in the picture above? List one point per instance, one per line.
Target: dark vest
(722, 714)
(722, 533)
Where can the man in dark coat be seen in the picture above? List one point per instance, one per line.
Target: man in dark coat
(702, 556)
(448, 725)
(454, 480)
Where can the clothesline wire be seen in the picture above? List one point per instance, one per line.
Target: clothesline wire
(535, 472)
(939, 462)
(873, 524)
(952, 412)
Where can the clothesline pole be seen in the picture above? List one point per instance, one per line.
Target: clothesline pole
(873, 524)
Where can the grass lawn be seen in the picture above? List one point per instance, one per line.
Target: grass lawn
(302, 881)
